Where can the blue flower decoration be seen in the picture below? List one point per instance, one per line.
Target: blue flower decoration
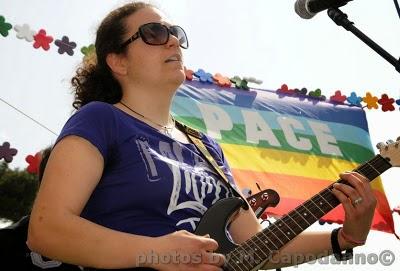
(203, 76)
(353, 99)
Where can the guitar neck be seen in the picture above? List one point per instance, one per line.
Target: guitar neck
(263, 244)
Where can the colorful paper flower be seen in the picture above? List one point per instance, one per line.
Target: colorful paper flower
(42, 40)
(221, 80)
(371, 101)
(4, 26)
(386, 102)
(34, 162)
(338, 97)
(284, 89)
(353, 99)
(239, 83)
(24, 32)
(317, 94)
(203, 76)
(86, 50)
(65, 46)
(7, 153)
(300, 92)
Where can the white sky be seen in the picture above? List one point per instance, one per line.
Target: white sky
(264, 39)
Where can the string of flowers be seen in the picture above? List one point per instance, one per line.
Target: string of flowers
(65, 46)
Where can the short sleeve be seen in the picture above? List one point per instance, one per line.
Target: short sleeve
(94, 122)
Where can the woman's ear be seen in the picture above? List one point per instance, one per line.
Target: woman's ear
(117, 64)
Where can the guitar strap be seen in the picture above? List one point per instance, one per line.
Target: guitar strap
(196, 138)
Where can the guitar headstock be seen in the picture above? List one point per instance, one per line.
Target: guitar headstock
(390, 151)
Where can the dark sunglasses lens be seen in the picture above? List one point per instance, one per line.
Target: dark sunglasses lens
(180, 34)
(154, 34)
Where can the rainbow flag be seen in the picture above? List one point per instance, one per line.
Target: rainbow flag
(294, 145)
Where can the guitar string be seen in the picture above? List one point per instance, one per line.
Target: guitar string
(366, 169)
(313, 210)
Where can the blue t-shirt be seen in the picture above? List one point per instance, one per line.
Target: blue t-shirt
(151, 184)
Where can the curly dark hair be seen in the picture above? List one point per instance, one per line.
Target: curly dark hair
(93, 80)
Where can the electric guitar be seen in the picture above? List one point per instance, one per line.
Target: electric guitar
(255, 252)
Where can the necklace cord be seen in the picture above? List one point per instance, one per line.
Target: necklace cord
(167, 130)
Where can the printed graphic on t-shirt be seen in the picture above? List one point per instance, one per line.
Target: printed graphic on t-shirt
(196, 179)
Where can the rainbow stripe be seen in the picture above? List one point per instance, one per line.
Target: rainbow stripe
(293, 145)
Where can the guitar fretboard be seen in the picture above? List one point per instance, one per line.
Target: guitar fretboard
(262, 245)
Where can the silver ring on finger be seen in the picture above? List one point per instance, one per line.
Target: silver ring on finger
(357, 201)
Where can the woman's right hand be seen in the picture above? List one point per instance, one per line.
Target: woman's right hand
(183, 250)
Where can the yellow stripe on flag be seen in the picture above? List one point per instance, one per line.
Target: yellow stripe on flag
(288, 163)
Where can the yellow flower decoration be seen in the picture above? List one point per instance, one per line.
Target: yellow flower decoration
(371, 101)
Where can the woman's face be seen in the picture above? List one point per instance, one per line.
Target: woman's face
(149, 64)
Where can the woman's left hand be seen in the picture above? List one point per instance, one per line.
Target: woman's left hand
(359, 204)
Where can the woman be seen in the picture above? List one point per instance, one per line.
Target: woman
(123, 182)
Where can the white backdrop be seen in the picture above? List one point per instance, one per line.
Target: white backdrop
(264, 39)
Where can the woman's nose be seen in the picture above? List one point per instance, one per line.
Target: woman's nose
(172, 41)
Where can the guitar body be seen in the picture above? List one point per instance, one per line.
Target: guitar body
(216, 220)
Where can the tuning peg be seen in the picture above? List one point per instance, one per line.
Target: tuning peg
(389, 142)
(380, 145)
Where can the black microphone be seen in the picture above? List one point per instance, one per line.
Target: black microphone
(307, 9)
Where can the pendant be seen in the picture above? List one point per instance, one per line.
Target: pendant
(168, 133)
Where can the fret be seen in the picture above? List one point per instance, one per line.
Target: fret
(269, 240)
(233, 264)
(311, 200)
(251, 251)
(262, 248)
(305, 214)
(277, 238)
(330, 197)
(287, 227)
(368, 171)
(290, 216)
(295, 210)
(257, 252)
(325, 200)
(276, 227)
(238, 260)
(374, 169)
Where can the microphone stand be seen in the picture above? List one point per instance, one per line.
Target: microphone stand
(340, 19)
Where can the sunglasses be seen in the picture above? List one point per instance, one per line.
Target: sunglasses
(158, 34)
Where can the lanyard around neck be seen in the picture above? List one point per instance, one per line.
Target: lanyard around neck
(195, 138)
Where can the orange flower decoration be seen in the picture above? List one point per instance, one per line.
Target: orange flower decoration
(221, 80)
(371, 101)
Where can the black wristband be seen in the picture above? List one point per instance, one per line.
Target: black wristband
(337, 251)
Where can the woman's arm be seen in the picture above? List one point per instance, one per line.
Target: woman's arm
(57, 231)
